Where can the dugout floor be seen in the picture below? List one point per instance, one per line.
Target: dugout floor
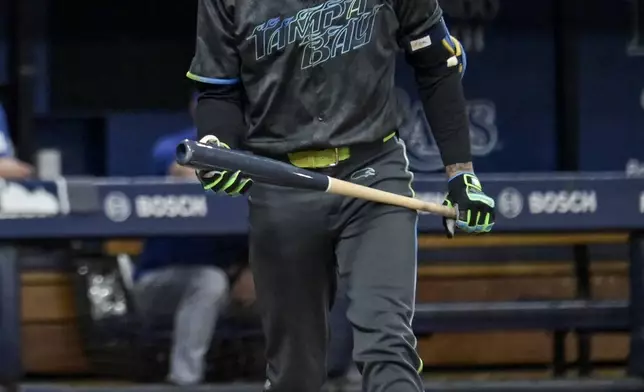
(518, 381)
(623, 385)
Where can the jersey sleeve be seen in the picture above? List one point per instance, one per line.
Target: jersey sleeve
(416, 19)
(216, 60)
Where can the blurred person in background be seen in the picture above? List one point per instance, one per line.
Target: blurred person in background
(163, 152)
(10, 166)
(185, 278)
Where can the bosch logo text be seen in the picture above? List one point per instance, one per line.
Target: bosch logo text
(181, 206)
(563, 202)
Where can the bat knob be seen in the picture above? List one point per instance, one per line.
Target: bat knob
(184, 152)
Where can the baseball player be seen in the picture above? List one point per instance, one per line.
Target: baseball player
(311, 82)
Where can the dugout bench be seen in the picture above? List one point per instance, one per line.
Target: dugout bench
(579, 314)
(527, 204)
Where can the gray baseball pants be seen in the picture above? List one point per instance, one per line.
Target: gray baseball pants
(301, 240)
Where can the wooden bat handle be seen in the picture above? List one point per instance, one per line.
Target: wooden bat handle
(345, 188)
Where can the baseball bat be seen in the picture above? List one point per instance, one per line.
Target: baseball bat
(201, 156)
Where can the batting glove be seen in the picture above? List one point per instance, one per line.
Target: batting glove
(222, 181)
(475, 208)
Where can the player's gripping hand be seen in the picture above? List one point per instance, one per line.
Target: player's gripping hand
(475, 208)
(223, 181)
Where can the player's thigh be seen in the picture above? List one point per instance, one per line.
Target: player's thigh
(291, 251)
(380, 254)
(378, 241)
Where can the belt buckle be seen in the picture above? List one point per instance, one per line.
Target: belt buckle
(336, 151)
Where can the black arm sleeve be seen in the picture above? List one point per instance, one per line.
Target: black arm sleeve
(441, 93)
(421, 33)
(220, 113)
(215, 69)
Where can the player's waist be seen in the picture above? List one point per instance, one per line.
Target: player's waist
(330, 157)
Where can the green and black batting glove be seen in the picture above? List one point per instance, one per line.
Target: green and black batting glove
(222, 181)
(475, 208)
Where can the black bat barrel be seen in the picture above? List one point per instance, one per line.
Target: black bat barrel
(201, 156)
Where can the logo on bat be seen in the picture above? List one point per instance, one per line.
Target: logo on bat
(363, 173)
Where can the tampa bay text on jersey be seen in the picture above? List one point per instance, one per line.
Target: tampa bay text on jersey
(325, 31)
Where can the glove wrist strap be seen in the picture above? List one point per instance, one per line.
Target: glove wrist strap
(458, 174)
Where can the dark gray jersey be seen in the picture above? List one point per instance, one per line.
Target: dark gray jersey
(315, 74)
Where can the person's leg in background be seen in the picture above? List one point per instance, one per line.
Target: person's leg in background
(293, 265)
(378, 249)
(194, 324)
(195, 296)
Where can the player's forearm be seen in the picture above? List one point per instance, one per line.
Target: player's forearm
(457, 168)
(220, 113)
(442, 96)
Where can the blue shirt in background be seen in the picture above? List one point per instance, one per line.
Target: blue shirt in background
(176, 251)
(163, 152)
(6, 146)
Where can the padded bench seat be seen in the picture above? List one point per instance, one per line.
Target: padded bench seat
(522, 315)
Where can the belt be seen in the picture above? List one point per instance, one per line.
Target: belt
(317, 159)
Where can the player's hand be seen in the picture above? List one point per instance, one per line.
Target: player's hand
(475, 208)
(222, 181)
